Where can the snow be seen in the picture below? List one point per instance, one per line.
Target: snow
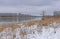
(31, 32)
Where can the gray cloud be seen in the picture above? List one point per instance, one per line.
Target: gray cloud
(34, 7)
(25, 2)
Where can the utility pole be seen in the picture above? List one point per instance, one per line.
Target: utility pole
(43, 14)
(17, 17)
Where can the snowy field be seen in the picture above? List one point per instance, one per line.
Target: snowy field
(52, 31)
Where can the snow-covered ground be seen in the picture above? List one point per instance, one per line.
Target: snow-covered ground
(52, 31)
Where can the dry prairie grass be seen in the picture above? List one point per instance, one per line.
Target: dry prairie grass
(45, 21)
(12, 26)
(30, 23)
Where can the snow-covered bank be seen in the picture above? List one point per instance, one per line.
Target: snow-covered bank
(32, 32)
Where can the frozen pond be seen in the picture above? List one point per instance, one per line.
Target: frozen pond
(17, 19)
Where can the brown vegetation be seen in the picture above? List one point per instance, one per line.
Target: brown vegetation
(43, 22)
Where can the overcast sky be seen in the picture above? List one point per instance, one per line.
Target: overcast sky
(34, 7)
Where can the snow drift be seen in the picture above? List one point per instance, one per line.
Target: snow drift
(52, 31)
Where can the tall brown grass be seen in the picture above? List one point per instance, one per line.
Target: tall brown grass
(44, 22)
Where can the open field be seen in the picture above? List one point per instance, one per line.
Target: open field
(24, 30)
(43, 22)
